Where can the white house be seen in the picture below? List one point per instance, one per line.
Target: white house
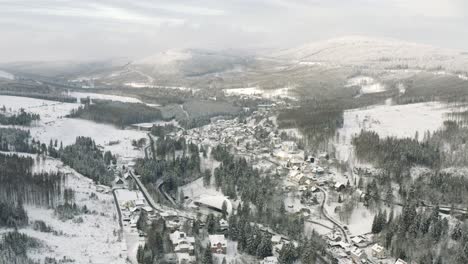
(275, 240)
(400, 261)
(358, 254)
(182, 243)
(223, 224)
(218, 244)
(378, 251)
(185, 258)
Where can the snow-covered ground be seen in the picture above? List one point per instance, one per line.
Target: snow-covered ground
(95, 240)
(149, 85)
(391, 120)
(284, 93)
(368, 84)
(124, 99)
(53, 125)
(6, 75)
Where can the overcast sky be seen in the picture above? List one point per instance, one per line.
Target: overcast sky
(96, 29)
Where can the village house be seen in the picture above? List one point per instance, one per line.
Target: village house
(339, 186)
(275, 240)
(182, 243)
(378, 251)
(185, 258)
(359, 241)
(358, 255)
(400, 261)
(218, 244)
(223, 225)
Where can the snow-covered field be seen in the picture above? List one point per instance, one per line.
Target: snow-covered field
(286, 92)
(124, 99)
(95, 240)
(149, 85)
(391, 120)
(6, 75)
(368, 84)
(53, 125)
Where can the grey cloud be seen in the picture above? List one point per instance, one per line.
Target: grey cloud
(87, 29)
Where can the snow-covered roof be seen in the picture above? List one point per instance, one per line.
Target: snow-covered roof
(217, 239)
(215, 201)
(276, 239)
(357, 251)
(180, 237)
(377, 248)
(357, 239)
(400, 261)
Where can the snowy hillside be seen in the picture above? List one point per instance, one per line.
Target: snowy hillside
(6, 75)
(357, 50)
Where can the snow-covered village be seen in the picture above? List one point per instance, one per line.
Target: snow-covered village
(233, 132)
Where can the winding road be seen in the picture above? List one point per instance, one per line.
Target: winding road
(325, 213)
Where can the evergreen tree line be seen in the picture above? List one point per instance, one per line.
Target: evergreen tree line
(257, 242)
(14, 247)
(13, 139)
(177, 170)
(162, 131)
(19, 184)
(236, 177)
(12, 215)
(21, 119)
(157, 243)
(86, 158)
(422, 236)
(318, 121)
(117, 113)
(396, 156)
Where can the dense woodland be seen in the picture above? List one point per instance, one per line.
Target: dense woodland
(19, 184)
(420, 233)
(117, 113)
(21, 119)
(396, 156)
(86, 158)
(12, 139)
(176, 169)
(14, 247)
(422, 236)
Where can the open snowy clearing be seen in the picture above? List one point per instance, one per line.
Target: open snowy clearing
(6, 75)
(124, 99)
(53, 125)
(284, 93)
(368, 84)
(391, 120)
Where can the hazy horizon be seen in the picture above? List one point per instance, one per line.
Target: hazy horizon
(54, 30)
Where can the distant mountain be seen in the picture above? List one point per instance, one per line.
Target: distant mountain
(61, 69)
(372, 52)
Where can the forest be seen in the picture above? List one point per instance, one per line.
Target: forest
(396, 156)
(420, 233)
(86, 158)
(117, 113)
(176, 169)
(422, 236)
(236, 177)
(20, 185)
(21, 119)
(13, 139)
(14, 247)
(318, 122)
